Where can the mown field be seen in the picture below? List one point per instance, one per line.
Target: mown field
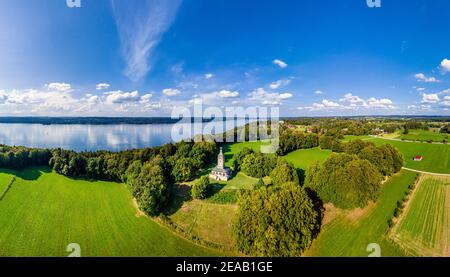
(424, 229)
(348, 233)
(422, 135)
(436, 157)
(43, 212)
(303, 158)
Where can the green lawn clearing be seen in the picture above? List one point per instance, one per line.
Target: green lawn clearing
(44, 212)
(303, 158)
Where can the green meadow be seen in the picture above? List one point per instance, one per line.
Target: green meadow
(422, 135)
(348, 233)
(303, 158)
(436, 157)
(44, 212)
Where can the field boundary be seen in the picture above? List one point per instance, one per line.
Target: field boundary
(407, 140)
(7, 188)
(428, 173)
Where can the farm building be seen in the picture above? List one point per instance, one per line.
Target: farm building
(418, 158)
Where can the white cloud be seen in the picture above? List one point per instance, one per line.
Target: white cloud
(420, 77)
(446, 101)
(171, 92)
(102, 86)
(63, 87)
(352, 99)
(319, 92)
(146, 98)
(445, 66)
(227, 94)
(420, 89)
(383, 103)
(119, 97)
(280, 83)
(286, 95)
(430, 98)
(267, 98)
(141, 25)
(280, 63)
(352, 102)
(209, 75)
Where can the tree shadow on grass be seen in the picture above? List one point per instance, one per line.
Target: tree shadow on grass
(179, 193)
(318, 207)
(29, 174)
(301, 175)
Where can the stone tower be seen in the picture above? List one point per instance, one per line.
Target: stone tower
(220, 159)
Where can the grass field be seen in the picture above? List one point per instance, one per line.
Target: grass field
(303, 158)
(436, 157)
(208, 221)
(349, 233)
(44, 212)
(422, 135)
(424, 229)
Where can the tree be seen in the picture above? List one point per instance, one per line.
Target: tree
(260, 184)
(258, 165)
(183, 170)
(284, 173)
(345, 180)
(275, 223)
(239, 157)
(201, 188)
(150, 188)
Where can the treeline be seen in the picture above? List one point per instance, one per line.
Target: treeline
(353, 178)
(386, 157)
(291, 140)
(411, 125)
(149, 172)
(445, 129)
(17, 157)
(183, 160)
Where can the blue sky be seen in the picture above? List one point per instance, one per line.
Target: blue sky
(149, 57)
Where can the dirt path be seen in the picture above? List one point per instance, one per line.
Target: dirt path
(425, 172)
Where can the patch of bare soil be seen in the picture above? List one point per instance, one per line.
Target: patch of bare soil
(139, 213)
(331, 212)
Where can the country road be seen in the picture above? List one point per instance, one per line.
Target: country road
(425, 172)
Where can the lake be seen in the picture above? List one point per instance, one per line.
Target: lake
(96, 137)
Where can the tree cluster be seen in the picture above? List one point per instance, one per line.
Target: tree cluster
(386, 158)
(291, 140)
(345, 180)
(278, 222)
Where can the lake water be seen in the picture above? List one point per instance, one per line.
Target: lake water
(95, 137)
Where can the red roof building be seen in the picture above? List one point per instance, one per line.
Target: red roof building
(418, 158)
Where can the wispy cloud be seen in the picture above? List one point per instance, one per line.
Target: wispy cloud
(141, 25)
